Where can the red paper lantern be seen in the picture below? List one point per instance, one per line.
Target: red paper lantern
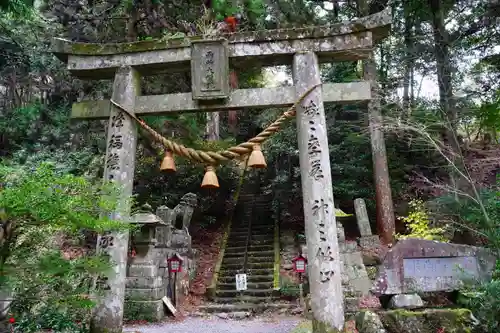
(299, 264)
(175, 263)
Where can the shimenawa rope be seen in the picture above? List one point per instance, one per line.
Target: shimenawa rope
(211, 157)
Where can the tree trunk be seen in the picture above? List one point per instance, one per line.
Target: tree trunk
(384, 204)
(212, 129)
(408, 65)
(444, 78)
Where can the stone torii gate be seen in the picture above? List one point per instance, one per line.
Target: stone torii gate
(209, 61)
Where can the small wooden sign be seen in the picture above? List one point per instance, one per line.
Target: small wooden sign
(241, 282)
(169, 305)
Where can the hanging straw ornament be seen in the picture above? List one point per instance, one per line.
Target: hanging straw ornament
(257, 159)
(210, 179)
(168, 163)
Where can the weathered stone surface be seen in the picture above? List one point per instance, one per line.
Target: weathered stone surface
(379, 22)
(355, 272)
(144, 282)
(348, 247)
(147, 294)
(340, 233)
(406, 301)
(324, 265)
(119, 168)
(370, 242)
(369, 302)
(351, 304)
(371, 258)
(362, 217)
(352, 92)
(352, 47)
(143, 270)
(369, 322)
(427, 321)
(415, 265)
(209, 69)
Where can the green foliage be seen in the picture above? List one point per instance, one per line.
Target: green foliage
(418, 222)
(225, 8)
(57, 321)
(481, 216)
(484, 302)
(42, 255)
(20, 8)
(469, 214)
(289, 288)
(66, 202)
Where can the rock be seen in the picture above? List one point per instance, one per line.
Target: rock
(420, 265)
(296, 311)
(427, 321)
(369, 322)
(303, 250)
(240, 315)
(371, 258)
(369, 302)
(406, 301)
(222, 315)
(351, 304)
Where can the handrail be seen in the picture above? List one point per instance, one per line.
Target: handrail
(210, 292)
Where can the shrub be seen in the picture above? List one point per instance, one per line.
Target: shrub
(419, 224)
(43, 260)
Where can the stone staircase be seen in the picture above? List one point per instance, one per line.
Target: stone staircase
(250, 250)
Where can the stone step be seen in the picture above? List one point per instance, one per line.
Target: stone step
(262, 237)
(250, 285)
(253, 265)
(237, 307)
(245, 299)
(242, 248)
(251, 254)
(250, 278)
(253, 238)
(253, 271)
(249, 292)
(254, 231)
(241, 258)
(240, 243)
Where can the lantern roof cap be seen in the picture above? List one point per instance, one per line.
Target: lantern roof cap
(145, 216)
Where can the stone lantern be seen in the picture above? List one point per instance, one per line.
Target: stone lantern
(145, 285)
(144, 237)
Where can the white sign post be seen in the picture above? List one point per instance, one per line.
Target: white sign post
(241, 282)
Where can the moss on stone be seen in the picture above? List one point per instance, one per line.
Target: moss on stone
(427, 321)
(116, 48)
(378, 22)
(322, 327)
(372, 272)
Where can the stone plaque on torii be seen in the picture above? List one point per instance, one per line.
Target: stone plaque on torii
(304, 49)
